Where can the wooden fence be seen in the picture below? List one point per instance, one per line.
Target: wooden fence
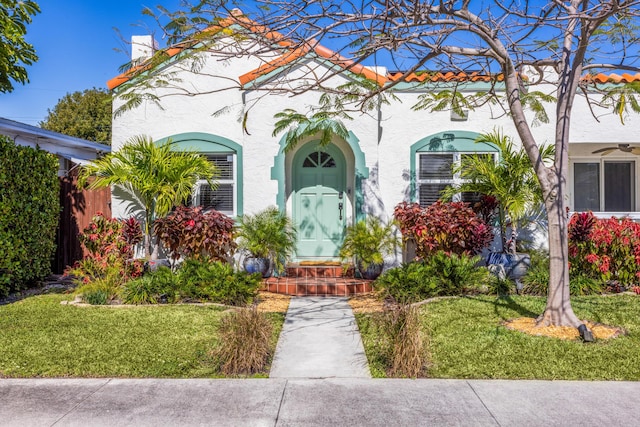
(77, 209)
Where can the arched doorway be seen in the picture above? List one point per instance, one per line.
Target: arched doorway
(319, 201)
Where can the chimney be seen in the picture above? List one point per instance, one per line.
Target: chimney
(142, 48)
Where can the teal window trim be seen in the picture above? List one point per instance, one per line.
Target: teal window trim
(444, 142)
(278, 173)
(209, 143)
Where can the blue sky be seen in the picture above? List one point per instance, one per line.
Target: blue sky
(75, 41)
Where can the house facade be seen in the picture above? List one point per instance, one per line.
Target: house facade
(393, 153)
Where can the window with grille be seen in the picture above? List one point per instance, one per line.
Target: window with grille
(435, 174)
(223, 196)
(604, 186)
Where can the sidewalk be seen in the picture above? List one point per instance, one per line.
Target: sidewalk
(304, 402)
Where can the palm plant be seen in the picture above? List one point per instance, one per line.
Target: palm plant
(155, 176)
(368, 241)
(268, 234)
(299, 126)
(512, 181)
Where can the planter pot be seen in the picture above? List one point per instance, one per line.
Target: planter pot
(153, 264)
(257, 265)
(409, 251)
(372, 272)
(519, 265)
(515, 265)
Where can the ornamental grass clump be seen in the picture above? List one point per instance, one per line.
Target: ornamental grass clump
(245, 342)
(401, 341)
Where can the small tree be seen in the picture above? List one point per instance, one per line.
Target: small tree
(85, 115)
(155, 176)
(511, 181)
(15, 52)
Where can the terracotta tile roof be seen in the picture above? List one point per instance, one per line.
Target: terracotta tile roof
(298, 52)
(322, 52)
(461, 76)
(288, 57)
(235, 18)
(446, 76)
(613, 78)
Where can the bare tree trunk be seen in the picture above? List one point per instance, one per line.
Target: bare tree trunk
(558, 311)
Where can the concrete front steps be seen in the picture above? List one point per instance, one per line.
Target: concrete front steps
(322, 279)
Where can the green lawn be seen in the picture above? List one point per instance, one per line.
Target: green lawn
(465, 340)
(39, 337)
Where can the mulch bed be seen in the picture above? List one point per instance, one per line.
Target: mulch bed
(528, 326)
(273, 303)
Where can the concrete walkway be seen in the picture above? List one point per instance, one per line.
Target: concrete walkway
(304, 402)
(319, 339)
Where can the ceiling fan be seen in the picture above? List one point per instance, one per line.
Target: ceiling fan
(622, 147)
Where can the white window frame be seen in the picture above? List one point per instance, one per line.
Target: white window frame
(601, 162)
(220, 181)
(455, 179)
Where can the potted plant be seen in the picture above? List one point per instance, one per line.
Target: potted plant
(366, 243)
(269, 239)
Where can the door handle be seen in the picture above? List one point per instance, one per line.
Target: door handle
(340, 206)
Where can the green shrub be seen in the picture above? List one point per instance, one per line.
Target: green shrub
(439, 274)
(408, 283)
(100, 291)
(194, 280)
(218, 282)
(456, 274)
(245, 337)
(154, 287)
(536, 281)
(29, 212)
(500, 285)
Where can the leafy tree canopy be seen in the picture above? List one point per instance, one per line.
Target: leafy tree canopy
(85, 114)
(15, 52)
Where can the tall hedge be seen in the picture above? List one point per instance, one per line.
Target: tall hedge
(29, 211)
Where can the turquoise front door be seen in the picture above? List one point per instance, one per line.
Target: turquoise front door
(319, 202)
